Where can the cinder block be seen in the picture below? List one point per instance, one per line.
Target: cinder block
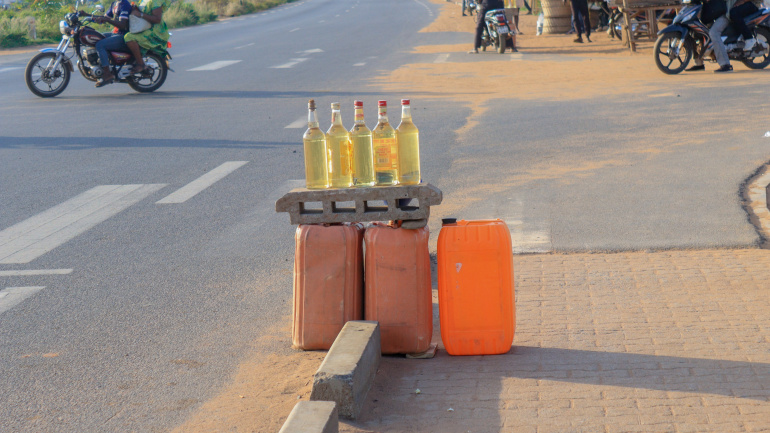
(312, 417)
(348, 371)
(337, 205)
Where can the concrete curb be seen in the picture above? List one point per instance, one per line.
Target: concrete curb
(348, 371)
(312, 417)
(755, 197)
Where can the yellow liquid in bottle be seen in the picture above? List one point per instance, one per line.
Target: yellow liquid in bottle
(363, 161)
(316, 155)
(338, 143)
(316, 174)
(408, 140)
(385, 151)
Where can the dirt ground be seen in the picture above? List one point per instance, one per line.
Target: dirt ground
(265, 389)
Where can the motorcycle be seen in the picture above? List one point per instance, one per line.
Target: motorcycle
(48, 73)
(687, 37)
(497, 32)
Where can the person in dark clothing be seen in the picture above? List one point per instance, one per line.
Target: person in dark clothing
(582, 22)
(118, 17)
(486, 6)
(740, 10)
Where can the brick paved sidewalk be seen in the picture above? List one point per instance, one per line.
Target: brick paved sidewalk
(675, 341)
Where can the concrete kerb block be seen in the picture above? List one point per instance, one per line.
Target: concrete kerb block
(312, 417)
(347, 373)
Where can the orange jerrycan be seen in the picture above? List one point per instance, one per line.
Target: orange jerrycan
(328, 283)
(475, 287)
(398, 288)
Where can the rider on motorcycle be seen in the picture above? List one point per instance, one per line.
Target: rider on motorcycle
(740, 10)
(118, 17)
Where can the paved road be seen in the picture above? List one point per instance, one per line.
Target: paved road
(151, 306)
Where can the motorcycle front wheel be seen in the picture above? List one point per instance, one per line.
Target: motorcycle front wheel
(43, 79)
(761, 61)
(668, 60)
(153, 77)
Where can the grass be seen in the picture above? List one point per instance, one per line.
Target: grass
(14, 27)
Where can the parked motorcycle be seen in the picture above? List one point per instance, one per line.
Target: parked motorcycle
(497, 32)
(687, 37)
(48, 73)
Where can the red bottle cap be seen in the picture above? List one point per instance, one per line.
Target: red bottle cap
(405, 102)
(382, 103)
(358, 103)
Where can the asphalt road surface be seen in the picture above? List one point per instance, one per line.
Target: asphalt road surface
(130, 319)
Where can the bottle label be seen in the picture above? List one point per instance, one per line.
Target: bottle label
(385, 157)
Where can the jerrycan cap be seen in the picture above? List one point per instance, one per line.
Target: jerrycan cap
(448, 221)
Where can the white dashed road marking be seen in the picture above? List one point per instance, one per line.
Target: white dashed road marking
(214, 66)
(299, 123)
(12, 296)
(441, 58)
(360, 64)
(34, 272)
(10, 69)
(193, 188)
(244, 46)
(45, 231)
(290, 64)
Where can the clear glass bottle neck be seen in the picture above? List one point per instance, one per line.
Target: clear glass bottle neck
(312, 119)
(382, 115)
(336, 117)
(359, 116)
(406, 112)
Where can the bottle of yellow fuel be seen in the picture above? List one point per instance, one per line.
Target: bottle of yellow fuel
(314, 141)
(385, 148)
(408, 140)
(361, 140)
(338, 143)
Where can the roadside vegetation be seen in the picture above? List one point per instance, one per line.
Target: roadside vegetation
(32, 22)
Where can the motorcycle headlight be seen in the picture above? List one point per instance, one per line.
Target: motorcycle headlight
(64, 28)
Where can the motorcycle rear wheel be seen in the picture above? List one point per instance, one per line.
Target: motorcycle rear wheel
(665, 59)
(760, 62)
(152, 80)
(501, 40)
(44, 81)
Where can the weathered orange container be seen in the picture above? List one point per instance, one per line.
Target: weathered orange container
(328, 283)
(398, 288)
(475, 287)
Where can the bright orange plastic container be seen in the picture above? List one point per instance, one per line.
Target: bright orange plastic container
(398, 288)
(475, 287)
(328, 283)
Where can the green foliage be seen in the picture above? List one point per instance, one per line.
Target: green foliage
(14, 31)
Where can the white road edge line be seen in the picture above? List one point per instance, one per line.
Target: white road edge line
(214, 65)
(193, 188)
(33, 272)
(12, 296)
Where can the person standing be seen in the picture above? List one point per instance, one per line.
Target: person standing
(582, 21)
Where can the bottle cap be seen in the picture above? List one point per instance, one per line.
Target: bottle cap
(447, 221)
(358, 103)
(405, 102)
(382, 103)
(311, 104)
(335, 105)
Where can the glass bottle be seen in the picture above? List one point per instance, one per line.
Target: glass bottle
(408, 139)
(361, 148)
(338, 144)
(314, 141)
(385, 148)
